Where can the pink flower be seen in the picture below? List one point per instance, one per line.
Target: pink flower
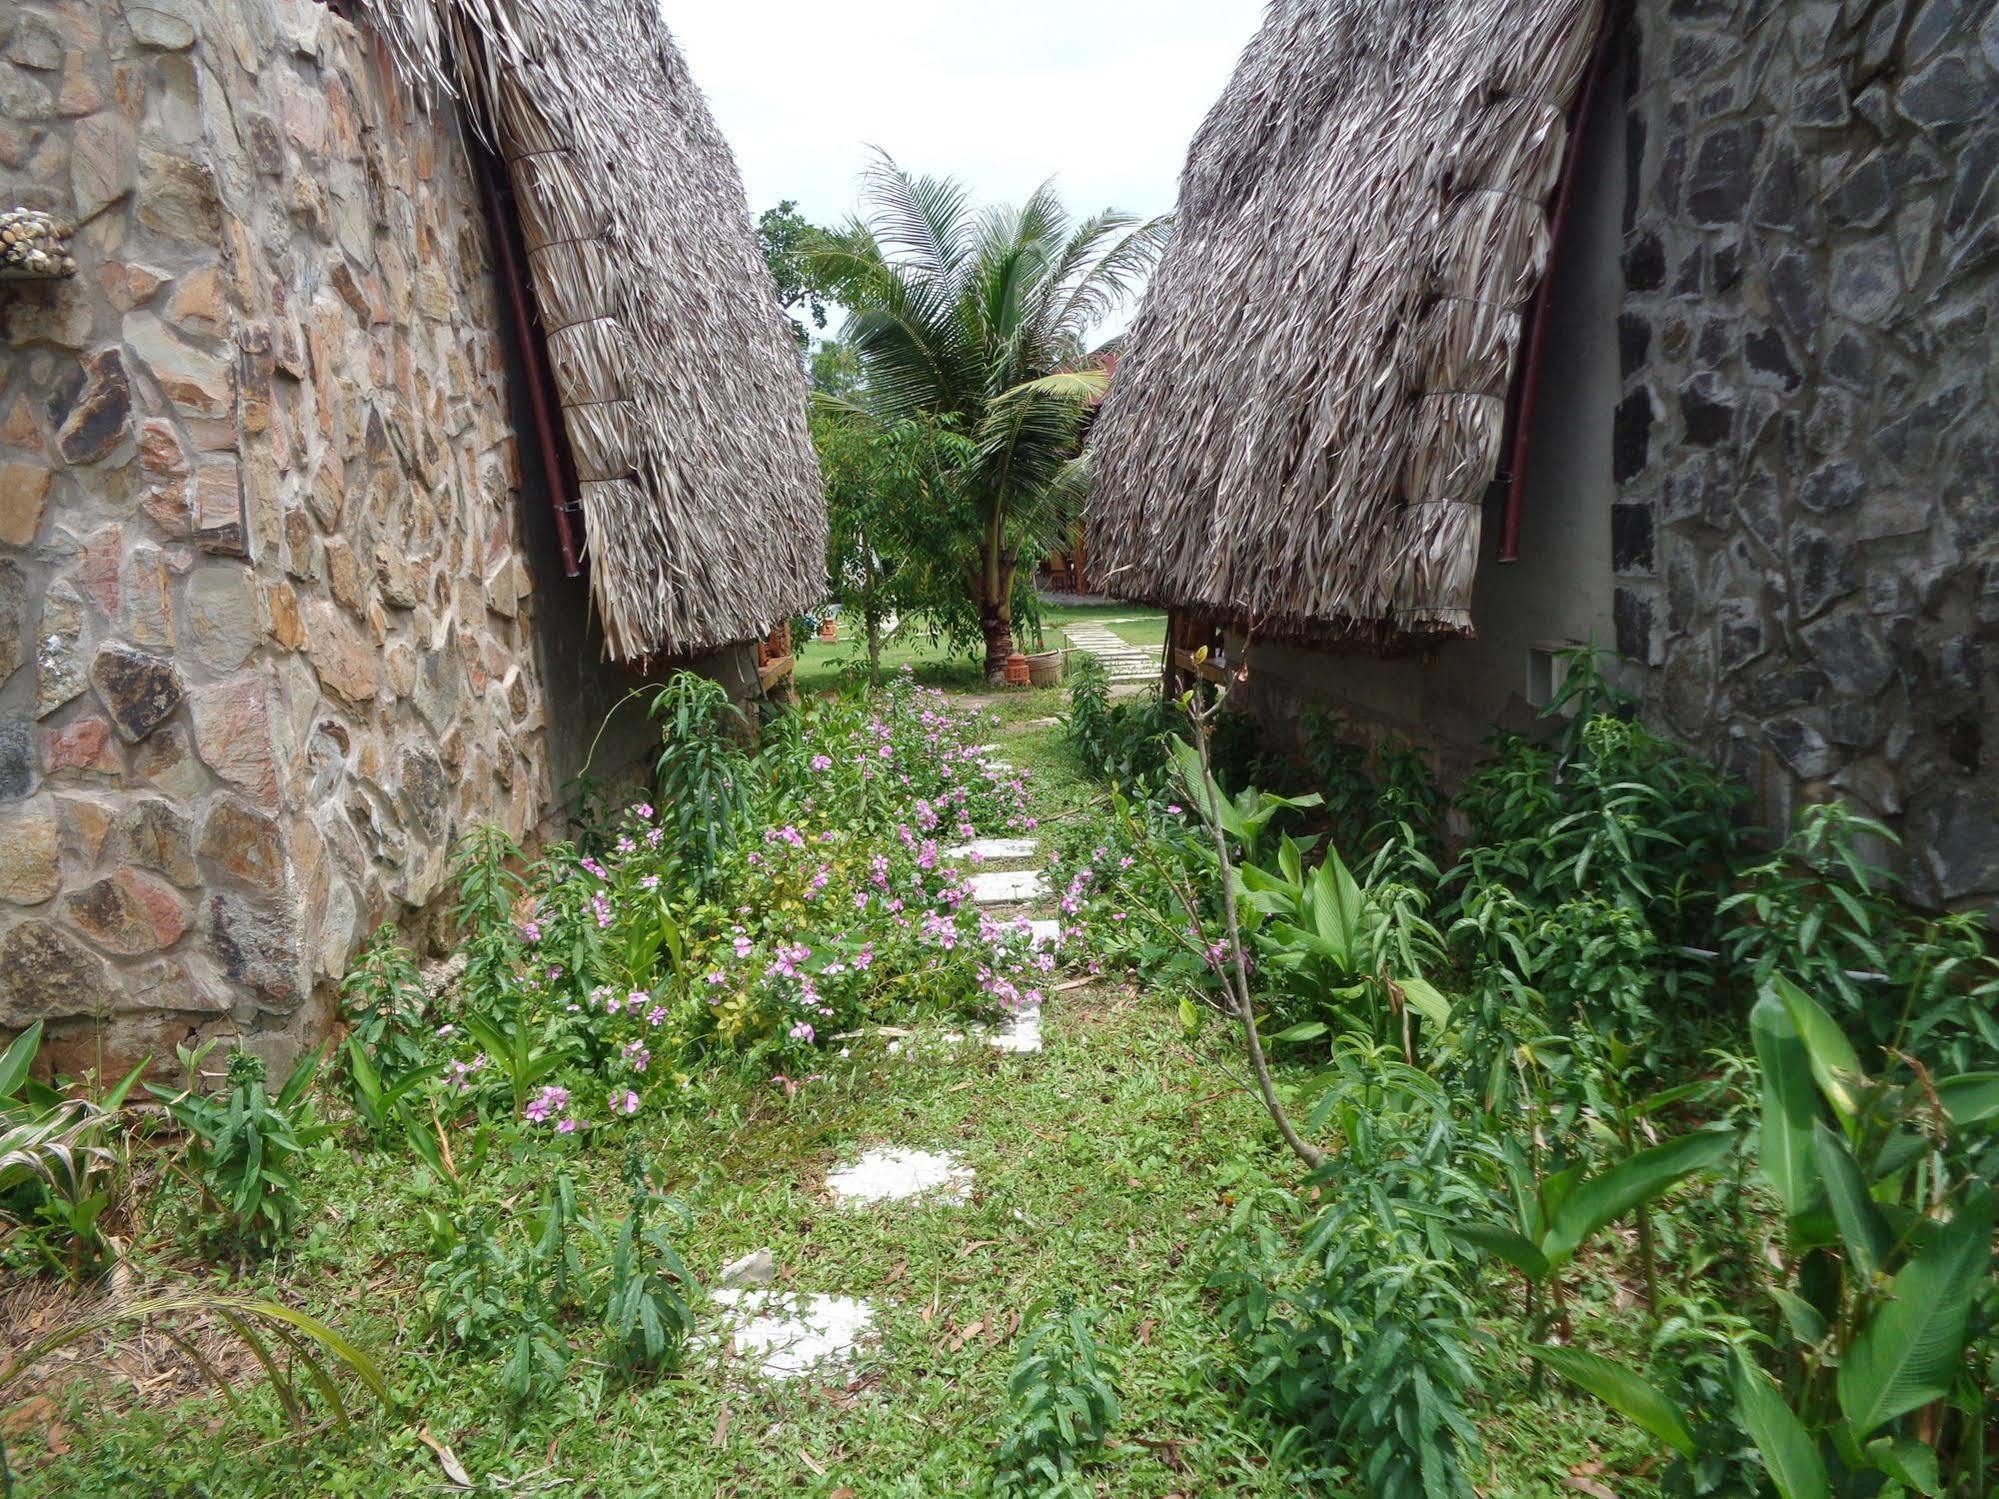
(822, 762)
(552, 1101)
(626, 1102)
(803, 1032)
(567, 1127)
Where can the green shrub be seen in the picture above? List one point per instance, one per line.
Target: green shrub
(1062, 1407)
(243, 1147)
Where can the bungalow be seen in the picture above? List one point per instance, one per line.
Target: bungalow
(397, 379)
(1491, 327)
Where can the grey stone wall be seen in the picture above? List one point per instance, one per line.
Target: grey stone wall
(1806, 449)
(266, 623)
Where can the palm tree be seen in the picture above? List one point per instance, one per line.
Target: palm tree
(977, 318)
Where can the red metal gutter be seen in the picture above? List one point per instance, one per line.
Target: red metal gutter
(562, 497)
(1537, 318)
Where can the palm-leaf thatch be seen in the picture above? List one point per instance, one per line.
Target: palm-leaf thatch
(681, 389)
(1313, 395)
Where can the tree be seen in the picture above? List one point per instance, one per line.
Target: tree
(884, 510)
(977, 317)
(788, 240)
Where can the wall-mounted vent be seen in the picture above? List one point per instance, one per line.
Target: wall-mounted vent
(1547, 670)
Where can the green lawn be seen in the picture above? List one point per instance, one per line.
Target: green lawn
(824, 668)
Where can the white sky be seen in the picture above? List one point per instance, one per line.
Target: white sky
(1103, 95)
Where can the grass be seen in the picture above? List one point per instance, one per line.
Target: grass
(825, 668)
(1107, 1165)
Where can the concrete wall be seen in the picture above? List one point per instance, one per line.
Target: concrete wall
(266, 615)
(1450, 696)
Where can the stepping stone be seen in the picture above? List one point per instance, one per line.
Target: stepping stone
(994, 849)
(757, 1268)
(1019, 1035)
(1044, 931)
(885, 1175)
(994, 887)
(785, 1335)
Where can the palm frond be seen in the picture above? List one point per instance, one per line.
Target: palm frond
(311, 1342)
(926, 219)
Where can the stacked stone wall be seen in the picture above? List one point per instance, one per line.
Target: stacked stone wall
(1807, 448)
(265, 631)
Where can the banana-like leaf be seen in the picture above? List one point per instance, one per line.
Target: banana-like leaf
(1835, 1064)
(1790, 1104)
(1621, 1390)
(16, 1060)
(1859, 1218)
(1910, 1463)
(1630, 1184)
(1807, 1322)
(1907, 1354)
(1504, 1242)
(1970, 1097)
(1426, 1000)
(1789, 1454)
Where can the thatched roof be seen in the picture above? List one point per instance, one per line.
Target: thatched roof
(1312, 400)
(680, 383)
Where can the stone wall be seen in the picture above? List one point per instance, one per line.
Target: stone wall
(265, 633)
(1807, 449)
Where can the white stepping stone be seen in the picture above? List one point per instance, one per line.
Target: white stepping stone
(994, 887)
(885, 1175)
(994, 849)
(1044, 931)
(1019, 1035)
(786, 1335)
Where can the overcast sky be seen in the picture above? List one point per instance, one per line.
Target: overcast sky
(1101, 94)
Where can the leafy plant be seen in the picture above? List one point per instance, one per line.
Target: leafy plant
(242, 1146)
(1555, 1213)
(1063, 1406)
(62, 1165)
(647, 1313)
(483, 870)
(386, 1002)
(704, 775)
(313, 1349)
(1890, 1219)
(1359, 1343)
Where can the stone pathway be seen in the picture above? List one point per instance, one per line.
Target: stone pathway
(784, 1334)
(1123, 661)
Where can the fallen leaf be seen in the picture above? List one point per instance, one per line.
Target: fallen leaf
(1589, 1486)
(896, 1274)
(967, 1335)
(446, 1459)
(970, 1082)
(721, 1426)
(1146, 1330)
(807, 1459)
(843, 1492)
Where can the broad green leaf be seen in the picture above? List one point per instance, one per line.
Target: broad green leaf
(1789, 1454)
(1967, 1098)
(1425, 999)
(1190, 1017)
(1807, 1323)
(1304, 1030)
(1860, 1223)
(1908, 1462)
(14, 1063)
(1621, 1390)
(1834, 1062)
(1290, 861)
(1790, 1103)
(1629, 1184)
(1505, 1243)
(1907, 1354)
